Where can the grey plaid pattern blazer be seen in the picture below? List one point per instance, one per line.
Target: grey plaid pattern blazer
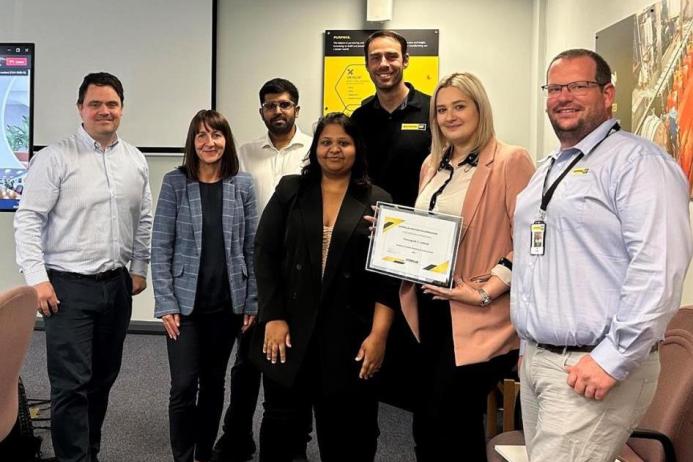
(177, 243)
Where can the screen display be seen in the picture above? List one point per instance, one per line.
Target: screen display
(16, 120)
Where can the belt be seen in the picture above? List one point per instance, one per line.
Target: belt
(110, 274)
(577, 348)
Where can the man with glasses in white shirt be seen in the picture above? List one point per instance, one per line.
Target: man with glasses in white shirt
(282, 150)
(601, 247)
(85, 215)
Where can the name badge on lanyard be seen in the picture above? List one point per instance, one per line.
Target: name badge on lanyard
(538, 230)
(537, 242)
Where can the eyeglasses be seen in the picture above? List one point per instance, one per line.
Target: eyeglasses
(579, 88)
(273, 105)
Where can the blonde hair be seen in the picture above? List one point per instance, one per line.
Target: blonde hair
(471, 86)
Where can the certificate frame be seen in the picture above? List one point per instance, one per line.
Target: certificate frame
(414, 244)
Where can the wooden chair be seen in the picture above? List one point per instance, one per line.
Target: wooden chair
(509, 389)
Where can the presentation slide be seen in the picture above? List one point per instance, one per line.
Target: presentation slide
(16, 61)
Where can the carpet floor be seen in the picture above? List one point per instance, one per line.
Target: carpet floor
(136, 426)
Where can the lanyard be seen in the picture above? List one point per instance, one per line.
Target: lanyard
(547, 195)
(472, 160)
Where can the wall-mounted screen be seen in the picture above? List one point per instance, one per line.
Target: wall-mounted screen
(16, 119)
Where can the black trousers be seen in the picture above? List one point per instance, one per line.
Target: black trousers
(449, 416)
(197, 361)
(245, 388)
(84, 348)
(346, 421)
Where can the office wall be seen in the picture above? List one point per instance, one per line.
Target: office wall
(263, 39)
(160, 49)
(570, 24)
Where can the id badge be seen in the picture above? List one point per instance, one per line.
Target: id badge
(536, 243)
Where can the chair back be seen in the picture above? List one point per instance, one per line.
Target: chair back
(671, 410)
(17, 318)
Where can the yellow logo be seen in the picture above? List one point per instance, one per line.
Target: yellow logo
(580, 171)
(441, 268)
(414, 127)
(391, 222)
(393, 260)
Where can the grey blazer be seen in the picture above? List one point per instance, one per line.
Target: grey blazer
(177, 243)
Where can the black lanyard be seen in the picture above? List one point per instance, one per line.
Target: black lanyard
(472, 159)
(547, 195)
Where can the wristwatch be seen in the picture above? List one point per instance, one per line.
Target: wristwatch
(485, 298)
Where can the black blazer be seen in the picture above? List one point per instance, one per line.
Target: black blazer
(333, 313)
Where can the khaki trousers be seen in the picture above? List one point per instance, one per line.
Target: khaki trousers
(560, 425)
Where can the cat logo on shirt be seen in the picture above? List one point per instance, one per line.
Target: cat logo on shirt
(413, 127)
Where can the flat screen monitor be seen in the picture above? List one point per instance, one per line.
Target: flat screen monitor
(16, 120)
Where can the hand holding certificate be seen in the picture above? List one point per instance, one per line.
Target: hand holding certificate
(415, 245)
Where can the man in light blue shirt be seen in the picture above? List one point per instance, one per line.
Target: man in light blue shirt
(602, 244)
(84, 217)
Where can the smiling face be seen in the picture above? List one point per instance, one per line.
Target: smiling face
(574, 117)
(385, 63)
(456, 115)
(277, 120)
(336, 151)
(101, 111)
(209, 146)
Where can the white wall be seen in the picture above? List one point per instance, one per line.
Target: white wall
(165, 67)
(263, 39)
(572, 24)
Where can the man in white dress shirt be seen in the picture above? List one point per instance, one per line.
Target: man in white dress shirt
(282, 150)
(599, 269)
(85, 215)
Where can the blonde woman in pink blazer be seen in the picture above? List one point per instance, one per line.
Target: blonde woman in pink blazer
(467, 340)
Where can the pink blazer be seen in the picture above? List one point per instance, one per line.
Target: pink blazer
(481, 333)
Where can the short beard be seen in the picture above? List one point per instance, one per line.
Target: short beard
(280, 131)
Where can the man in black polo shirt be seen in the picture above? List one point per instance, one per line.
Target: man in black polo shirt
(394, 121)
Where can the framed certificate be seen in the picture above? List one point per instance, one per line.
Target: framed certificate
(413, 244)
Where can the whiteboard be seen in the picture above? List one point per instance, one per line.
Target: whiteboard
(160, 49)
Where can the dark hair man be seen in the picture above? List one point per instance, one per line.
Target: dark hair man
(601, 246)
(282, 150)
(85, 215)
(395, 125)
(394, 121)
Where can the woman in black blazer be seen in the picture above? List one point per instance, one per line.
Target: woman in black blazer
(325, 319)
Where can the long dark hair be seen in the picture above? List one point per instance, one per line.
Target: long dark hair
(215, 121)
(359, 171)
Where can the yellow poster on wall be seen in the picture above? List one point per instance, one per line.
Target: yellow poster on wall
(346, 82)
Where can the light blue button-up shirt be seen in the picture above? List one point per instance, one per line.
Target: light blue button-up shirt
(617, 248)
(84, 209)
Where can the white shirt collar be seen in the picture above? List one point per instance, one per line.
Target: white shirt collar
(86, 137)
(296, 140)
